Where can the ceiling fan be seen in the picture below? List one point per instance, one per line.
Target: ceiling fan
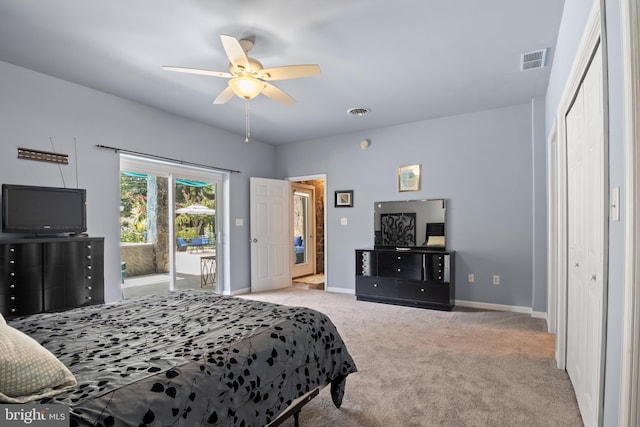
(247, 77)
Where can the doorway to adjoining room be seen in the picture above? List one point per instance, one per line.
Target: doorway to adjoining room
(307, 229)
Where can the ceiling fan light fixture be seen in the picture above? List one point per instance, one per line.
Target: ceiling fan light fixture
(246, 87)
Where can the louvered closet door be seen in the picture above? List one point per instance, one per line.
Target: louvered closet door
(586, 231)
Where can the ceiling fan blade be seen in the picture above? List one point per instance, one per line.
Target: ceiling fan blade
(289, 72)
(224, 96)
(197, 71)
(279, 95)
(234, 51)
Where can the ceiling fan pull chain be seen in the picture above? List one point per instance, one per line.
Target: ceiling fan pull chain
(247, 122)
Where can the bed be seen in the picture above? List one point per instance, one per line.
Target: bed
(189, 358)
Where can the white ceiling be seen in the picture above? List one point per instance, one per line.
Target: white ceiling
(406, 60)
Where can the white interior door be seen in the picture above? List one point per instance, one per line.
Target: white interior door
(270, 237)
(586, 238)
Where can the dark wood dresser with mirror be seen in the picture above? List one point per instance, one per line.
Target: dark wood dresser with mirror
(409, 264)
(50, 274)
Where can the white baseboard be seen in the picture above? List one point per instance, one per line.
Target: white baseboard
(461, 303)
(341, 290)
(237, 292)
(539, 315)
(501, 307)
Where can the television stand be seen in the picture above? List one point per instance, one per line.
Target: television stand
(50, 274)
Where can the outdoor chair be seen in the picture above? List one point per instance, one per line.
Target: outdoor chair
(182, 244)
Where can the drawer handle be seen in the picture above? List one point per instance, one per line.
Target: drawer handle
(89, 267)
(399, 270)
(12, 274)
(88, 246)
(13, 298)
(375, 285)
(89, 298)
(12, 286)
(421, 289)
(440, 277)
(12, 262)
(88, 256)
(399, 257)
(88, 277)
(89, 287)
(13, 310)
(12, 250)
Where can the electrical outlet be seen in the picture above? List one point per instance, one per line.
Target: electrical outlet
(472, 278)
(496, 279)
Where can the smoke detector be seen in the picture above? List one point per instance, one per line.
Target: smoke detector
(533, 60)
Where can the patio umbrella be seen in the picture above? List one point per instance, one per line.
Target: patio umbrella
(196, 210)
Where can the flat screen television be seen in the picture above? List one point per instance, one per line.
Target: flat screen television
(43, 210)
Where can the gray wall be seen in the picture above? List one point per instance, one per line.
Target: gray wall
(481, 163)
(572, 26)
(35, 107)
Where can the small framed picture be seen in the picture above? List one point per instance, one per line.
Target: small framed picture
(344, 199)
(409, 178)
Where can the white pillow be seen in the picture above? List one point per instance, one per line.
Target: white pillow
(435, 241)
(28, 371)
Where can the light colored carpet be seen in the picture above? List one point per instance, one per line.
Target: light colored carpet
(420, 367)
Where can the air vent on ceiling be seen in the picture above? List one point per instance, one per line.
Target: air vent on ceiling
(358, 111)
(533, 60)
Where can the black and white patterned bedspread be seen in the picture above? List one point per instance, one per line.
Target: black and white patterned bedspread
(190, 358)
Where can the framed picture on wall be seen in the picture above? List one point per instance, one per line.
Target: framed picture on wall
(409, 178)
(344, 199)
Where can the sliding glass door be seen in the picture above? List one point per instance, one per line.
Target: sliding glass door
(196, 226)
(169, 227)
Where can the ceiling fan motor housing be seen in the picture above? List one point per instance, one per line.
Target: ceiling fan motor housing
(254, 66)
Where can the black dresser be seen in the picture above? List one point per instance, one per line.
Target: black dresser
(50, 274)
(415, 277)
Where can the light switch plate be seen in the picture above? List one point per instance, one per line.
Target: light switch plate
(343, 220)
(239, 222)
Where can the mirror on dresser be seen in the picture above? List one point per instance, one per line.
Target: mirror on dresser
(410, 224)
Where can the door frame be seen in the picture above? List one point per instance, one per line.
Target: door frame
(630, 369)
(591, 39)
(321, 176)
(588, 44)
(310, 242)
(553, 253)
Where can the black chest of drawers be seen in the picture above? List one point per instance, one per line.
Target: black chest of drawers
(413, 278)
(50, 274)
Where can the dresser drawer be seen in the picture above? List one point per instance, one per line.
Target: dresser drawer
(400, 265)
(19, 301)
(432, 292)
(376, 287)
